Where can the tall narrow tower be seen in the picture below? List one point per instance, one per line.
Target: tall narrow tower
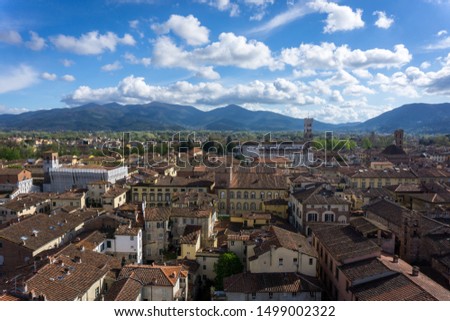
(398, 134)
(307, 128)
(50, 161)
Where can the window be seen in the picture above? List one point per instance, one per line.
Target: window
(131, 238)
(280, 262)
(222, 195)
(245, 206)
(108, 244)
(261, 195)
(312, 217)
(232, 243)
(238, 195)
(97, 292)
(253, 206)
(204, 258)
(329, 217)
(253, 195)
(204, 267)
(311, 261)
(253, 296)
(245, 194)
(1, 245)
(231, 194)
(270, 295)
(295, 261)
(238, 206)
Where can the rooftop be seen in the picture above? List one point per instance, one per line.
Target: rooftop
(41, 229)
(396, 287)
(268, 283)
(157, 275)
(344, 242)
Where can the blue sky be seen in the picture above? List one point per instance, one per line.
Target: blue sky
(337, 61)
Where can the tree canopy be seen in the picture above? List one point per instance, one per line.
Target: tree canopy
(227, 265)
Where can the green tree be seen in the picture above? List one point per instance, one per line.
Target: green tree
(228, 264)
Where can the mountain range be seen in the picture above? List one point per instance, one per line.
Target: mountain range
(413, 118)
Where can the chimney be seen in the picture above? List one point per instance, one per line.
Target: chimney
(82, 248)
(77, 259)
(395, 259)
(415, 270)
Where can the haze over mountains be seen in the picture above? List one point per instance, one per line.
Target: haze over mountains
(417, 118)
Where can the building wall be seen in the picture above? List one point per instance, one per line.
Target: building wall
(160, 195)
(95, 291)
(159, 293)
(302, 296)
(61, 202)
(207, 262)
(155, 239)
(283, 260)
(189, 250)
(13, 255)
(239, 201)
(127, 246)
(65, 178)
(114, 202)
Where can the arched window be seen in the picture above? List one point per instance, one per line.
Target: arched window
(238, 195)
(312, 217)
(328, 217)
(253, 195)
(253, 206)
(245, 206)
(245, 195)
(238, 206)
(262, 195)
(269, 195)
(231, 195)
(232, 206)
(277, 195)
(222, 195)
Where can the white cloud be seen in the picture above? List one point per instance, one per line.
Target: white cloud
(133, 24)
(441, 33)
(230, 50)
(91, 43)
(67, 62)
(258, 7)
(131, 59)
(17, 78)
(425, 65)
(36, 43)
(383, 21)
(259, 2)
(10, 37)
(304, 73)
(293, 13)
(188, 28)
(223, 5)
(68, 78)
(135, 90)
(328, 56)
(111, 67)
(339, 18)
(358, 90)
(362, 73)
(444, 43)
(12, 110)
(48, 76)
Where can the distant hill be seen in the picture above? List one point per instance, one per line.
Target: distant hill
(417, 118)
(160, 116)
